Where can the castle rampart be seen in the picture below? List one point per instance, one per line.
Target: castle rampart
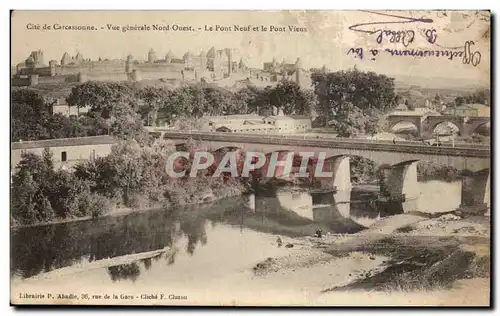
(191, 67)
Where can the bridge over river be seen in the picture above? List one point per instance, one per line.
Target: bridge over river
(426, 124)
(402, 157)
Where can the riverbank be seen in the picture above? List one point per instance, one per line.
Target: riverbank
(131, 177)
(416, 260)
(386, 264)
(122, 211)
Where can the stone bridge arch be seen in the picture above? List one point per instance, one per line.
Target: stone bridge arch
(431, 122)
(279, 171)
(472, 124)
(415, 120)
(222, 160)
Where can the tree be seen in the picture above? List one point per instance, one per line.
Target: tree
(397, 98)
(32, 119)
(437, 99)
(30, 114)
(481, 97)
(186, 101)
(343, 95)
(101, 96)
(353, 121)
(126, 173)
(125, 123)
(154, 98)
(289, 97)
(30, 185)
(219, 101)
(459, 101)
(248, 98)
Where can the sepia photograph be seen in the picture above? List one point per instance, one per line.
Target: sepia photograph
(250, 158)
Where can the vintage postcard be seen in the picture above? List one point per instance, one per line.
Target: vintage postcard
(250, 158)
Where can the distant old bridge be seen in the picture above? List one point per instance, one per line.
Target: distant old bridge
(401, 156)
(426, 124)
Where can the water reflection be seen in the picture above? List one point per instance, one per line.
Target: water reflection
(184, 230)
(124, 272)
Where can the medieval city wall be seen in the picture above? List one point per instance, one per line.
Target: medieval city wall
(189, 75)
(159, 67)
(44, 71)
(152, 74)
(91, 68)
(105, 77)
(20, 82)
(56, 79)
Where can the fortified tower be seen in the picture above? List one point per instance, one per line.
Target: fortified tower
(298, 70)
(217, 61)
(168, 57)
(52, 65)
(274, 64)
(66, 59)
(136, 75)
(187, 60)
(129, 64)
(203, 61)
(151, 56)
(241, 65)
(229, 54)
(34, 59)
(79, 58)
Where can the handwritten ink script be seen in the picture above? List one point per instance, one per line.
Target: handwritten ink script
(469, 57)
(406, 37)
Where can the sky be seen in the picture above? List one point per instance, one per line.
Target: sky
(326, 41)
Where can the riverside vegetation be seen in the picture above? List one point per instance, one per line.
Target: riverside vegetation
(133, 175)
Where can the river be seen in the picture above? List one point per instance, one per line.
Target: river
(204, 241)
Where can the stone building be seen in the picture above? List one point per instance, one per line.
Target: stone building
(62, 107)
(278, 124)
(274, 72)
(66, 152)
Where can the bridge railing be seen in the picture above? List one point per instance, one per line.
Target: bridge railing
(345, 143)
(336, 139)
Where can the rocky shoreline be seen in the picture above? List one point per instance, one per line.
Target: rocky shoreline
(389, 257)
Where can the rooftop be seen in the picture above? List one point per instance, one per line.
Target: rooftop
(415, 112)
(252, 122)
(299, 117)
(289, 117)
(280, 118)
(477, 106)
(234, 117)
(247, 127)
(63, 142)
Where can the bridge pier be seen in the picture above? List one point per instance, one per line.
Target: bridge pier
(340, 169)
(342, 200)
(321, 198)
(476, 191)
(400, 180)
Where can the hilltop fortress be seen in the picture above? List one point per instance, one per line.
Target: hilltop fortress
(215, 66)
